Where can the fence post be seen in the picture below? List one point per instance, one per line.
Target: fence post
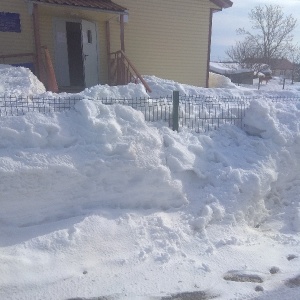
(175, 114)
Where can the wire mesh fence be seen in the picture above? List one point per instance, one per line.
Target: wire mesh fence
(154, 109)
(200, 113)
(210, 114)
(20, 105)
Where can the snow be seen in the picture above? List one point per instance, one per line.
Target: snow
(96, 202)
(19, 81)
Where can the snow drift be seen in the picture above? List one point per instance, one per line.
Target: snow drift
(95, 201)
(17, 81)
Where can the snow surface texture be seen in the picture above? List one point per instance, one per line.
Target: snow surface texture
(96, 202)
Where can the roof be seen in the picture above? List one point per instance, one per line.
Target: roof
(222, 3)
(281, 64)
(104, 5)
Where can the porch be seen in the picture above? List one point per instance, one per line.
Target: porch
(80, 49)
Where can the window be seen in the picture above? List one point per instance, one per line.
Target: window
(89, 37)
(10, 22)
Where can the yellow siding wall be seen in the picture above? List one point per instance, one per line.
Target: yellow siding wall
(13, 42)
(167, 38)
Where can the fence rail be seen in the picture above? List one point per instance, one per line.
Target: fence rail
(195, 112)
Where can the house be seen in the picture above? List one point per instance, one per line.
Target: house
(275, 66)
(86, 42)
(282, 67)
(233, 71)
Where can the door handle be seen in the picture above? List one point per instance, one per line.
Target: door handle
(85, 56)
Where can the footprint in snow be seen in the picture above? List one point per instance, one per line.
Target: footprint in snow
(243, 276)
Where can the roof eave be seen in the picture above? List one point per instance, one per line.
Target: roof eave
(222, 3)
(119, 12)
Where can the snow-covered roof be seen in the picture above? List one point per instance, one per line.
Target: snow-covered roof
(227, 68)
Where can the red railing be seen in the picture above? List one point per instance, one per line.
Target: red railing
(122, 71)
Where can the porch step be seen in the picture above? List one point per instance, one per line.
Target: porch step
(71, 89)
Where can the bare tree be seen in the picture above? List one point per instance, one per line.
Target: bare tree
(269, 38)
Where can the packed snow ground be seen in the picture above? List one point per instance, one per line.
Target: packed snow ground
(97, 202)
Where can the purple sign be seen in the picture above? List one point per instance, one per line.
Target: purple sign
(10, 22)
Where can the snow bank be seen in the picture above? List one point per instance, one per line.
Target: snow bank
(72, 163)
(97, 202)
(19, 81)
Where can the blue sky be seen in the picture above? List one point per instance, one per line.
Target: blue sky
(227, 21)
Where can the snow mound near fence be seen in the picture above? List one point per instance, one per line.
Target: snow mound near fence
(16, 81)
(68, 164)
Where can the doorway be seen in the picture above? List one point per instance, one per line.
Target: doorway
(75, 54)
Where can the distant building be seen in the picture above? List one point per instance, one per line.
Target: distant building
(282, 67)
(233, 71)
(275, 67)
(297, 73)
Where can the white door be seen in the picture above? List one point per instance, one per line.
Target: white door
(89, 53)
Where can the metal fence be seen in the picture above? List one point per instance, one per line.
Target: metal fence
(198, 113)
(208, 113)
(20, 105)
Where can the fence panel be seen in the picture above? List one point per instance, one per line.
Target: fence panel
(207, 113)
(20, 105)
(198, 113)
(154, 109)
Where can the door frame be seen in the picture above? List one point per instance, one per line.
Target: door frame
(61, 49)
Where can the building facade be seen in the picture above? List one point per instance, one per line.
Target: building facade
(168, 39)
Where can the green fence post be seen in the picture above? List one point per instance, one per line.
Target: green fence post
(175, 125)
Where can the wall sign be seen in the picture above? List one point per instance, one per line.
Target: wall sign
(10, 22)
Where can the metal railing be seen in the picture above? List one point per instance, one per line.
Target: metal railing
(198, 113)
(20, 105)
(207, 113)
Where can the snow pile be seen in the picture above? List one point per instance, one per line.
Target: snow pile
(220, 81)
(89, 157)
(130, 91)
(96, 202)
(19, 81)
